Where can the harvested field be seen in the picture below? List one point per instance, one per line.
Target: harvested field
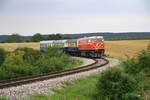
(125, 47)
(13, 46)
(113, 48)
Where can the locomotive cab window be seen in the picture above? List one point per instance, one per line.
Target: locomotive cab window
(92, 41)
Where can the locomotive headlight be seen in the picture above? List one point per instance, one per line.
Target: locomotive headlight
(89, 41)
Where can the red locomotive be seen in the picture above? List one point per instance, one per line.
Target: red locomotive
(89, 46)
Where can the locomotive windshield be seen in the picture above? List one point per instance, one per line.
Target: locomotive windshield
(95, 40)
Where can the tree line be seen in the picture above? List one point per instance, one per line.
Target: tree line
(107, 36)
(35, 38)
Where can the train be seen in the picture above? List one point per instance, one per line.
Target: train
(93, 46)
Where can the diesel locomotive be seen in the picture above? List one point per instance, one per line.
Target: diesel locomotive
(87, 47)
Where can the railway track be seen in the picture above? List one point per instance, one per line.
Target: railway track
(26, 80)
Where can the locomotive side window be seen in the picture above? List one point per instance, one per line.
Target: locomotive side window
(100, 40)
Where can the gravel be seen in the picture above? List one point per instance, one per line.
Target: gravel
(48, 86)
(85, 61)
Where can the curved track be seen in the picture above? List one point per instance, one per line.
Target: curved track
(26, 80)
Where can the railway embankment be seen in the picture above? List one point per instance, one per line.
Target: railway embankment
(48, 86)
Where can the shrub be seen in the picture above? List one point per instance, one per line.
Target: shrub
(15, 57)
(2, 55)
(131, 66)
(30, 55)
(52, 51)
(45, 65)
(9, 71)
(52, 64)
(114, 84)
(133, 96)
(140, 63)
(139, 69)
(144, 60)
(27, 61)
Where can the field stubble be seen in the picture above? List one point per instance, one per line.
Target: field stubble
(113, 48)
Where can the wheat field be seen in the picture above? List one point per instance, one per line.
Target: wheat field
(125, 47)
(113, 48)
(13, 46)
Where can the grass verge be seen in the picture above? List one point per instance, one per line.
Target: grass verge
(81, 89)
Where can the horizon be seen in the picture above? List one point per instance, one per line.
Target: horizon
(75, 33)
(28, 17)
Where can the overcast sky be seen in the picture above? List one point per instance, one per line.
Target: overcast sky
(73, 16)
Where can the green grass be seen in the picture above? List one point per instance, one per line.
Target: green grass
(3, 98)
(81, 89)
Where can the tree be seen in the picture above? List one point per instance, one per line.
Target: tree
(58, 36)
(13, 38)
(55, 37)
(36, 37)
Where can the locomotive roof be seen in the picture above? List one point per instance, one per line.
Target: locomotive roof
(92, 37)
(51, 41)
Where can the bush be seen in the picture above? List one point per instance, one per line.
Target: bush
(2, 56)
(55, 60)
(15, 57)
(133, 96)
(114, 84)
(13, 71)
(27, 61)
(140, 63)
(144, 60)
(46, 65)
(52, 51)
(131, 66)
(30, 55)
(139, 68)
